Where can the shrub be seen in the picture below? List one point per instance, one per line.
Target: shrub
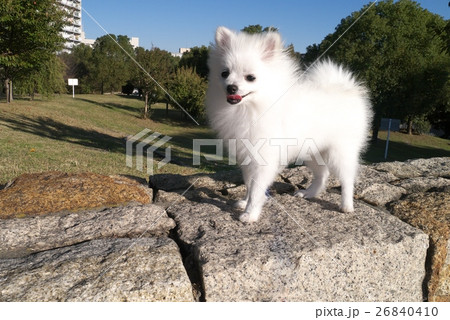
(421, 125)
(189, 90)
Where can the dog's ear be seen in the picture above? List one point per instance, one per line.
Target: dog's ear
(272, 44)
(223, 37)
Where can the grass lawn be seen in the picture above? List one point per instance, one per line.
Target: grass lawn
(88, 133)
(403, 147)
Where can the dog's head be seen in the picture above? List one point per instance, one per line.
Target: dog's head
(244, 63)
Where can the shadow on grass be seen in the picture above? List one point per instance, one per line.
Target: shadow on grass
(113, 106)
(49, 128)
(173, 116)
(159, 112)
(399, 151)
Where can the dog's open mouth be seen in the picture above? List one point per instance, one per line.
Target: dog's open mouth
(235, 98)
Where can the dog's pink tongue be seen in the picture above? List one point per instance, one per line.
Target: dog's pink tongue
(234, 97)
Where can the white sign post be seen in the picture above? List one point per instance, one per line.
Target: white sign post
(73, 83)
(389, 125)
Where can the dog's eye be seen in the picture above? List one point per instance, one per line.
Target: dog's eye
(225, 74)
(250, 78)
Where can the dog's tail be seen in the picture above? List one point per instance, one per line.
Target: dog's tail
(328, 74)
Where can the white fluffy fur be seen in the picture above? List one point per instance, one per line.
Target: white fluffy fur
(326, 105)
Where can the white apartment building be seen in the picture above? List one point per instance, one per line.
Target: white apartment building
(180, 52)
(72, 31)
(134, 41)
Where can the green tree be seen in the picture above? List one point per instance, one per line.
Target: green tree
(189, 90)
(196, 58)
(158, 64)
(256, 28)
(440, 118)
(47, 80)
(399, 50)
(111, 65)
(80, 65)
(29, 37)
(294, 54)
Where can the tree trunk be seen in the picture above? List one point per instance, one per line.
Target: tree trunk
(33, 91)
(167, 108)
(7, 90)
(146, 105)
(409, 128)
(375, 127)
(10, 91)
(374, 138)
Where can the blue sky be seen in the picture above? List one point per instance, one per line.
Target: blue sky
(170, 25)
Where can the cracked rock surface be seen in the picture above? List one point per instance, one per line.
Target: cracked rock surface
(20, 237)
(303, 251)
(188, 245)
(146, 269)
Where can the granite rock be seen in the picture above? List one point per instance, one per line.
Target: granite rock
(217, 181)
(379, 194)
(435, 167)
(22, 236)
(146, 269)
(430, 212)
(399, 169)
(300, 250)
(422, 184)
(303, 250)
(442, 292)
(299, 176)
(368, 176)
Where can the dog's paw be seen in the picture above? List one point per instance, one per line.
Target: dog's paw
(247, 218)
(308, 193)
(304, 194)
(300, 193)
(240, 204)
(347, 208)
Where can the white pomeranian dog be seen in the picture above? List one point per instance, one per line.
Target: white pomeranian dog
(260, 102)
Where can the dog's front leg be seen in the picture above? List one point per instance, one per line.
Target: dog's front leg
(257, 193)
(247, 175)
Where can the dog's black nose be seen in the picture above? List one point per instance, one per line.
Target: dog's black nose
(232, 89)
